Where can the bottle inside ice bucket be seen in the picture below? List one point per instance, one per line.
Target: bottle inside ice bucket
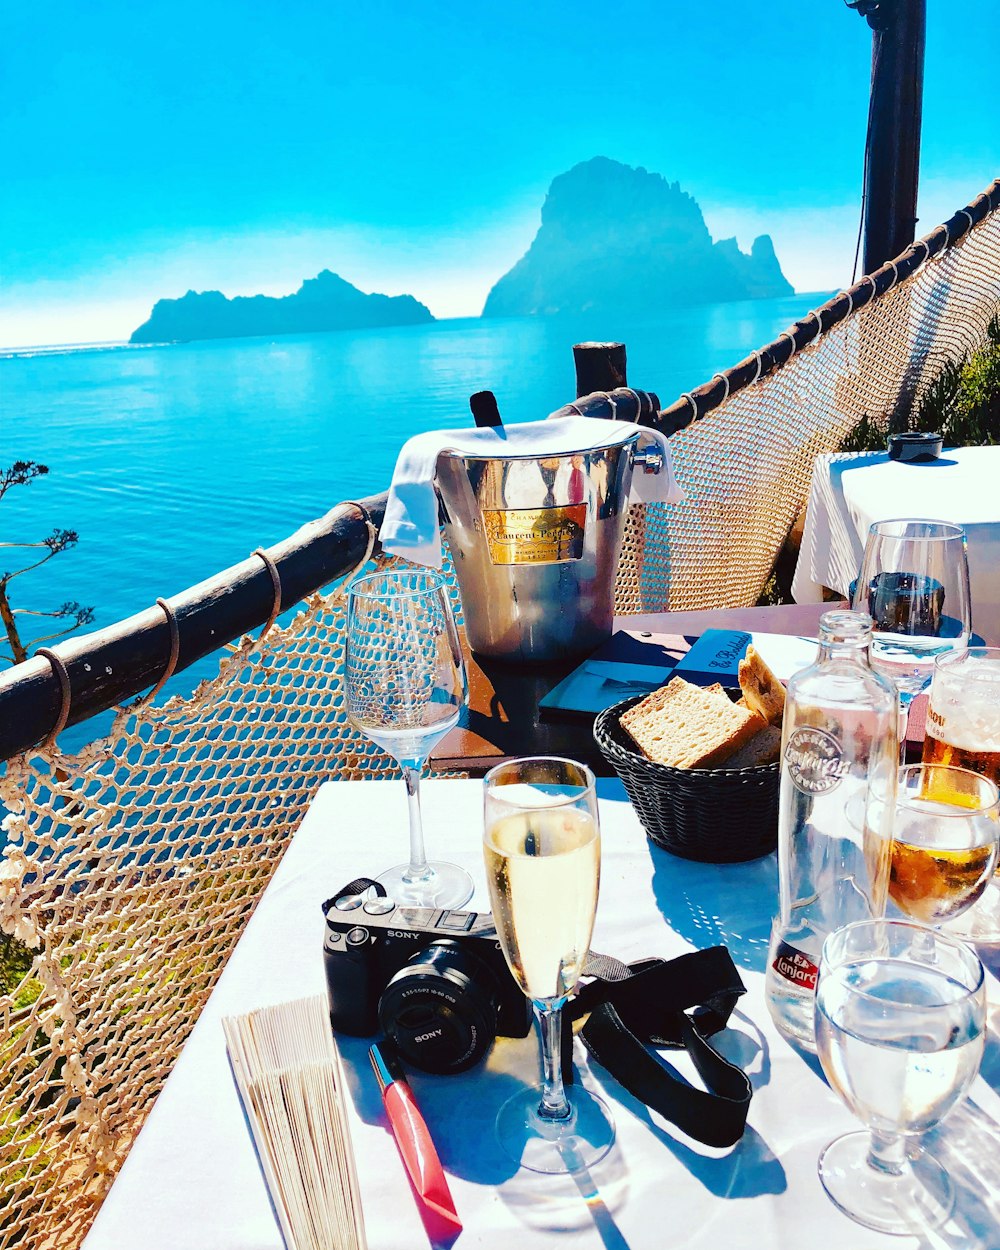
(839, 759)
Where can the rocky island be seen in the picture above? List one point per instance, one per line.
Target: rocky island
(613, 239)
(616, 239)
(325, 302)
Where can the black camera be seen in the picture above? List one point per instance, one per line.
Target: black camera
(435, 981)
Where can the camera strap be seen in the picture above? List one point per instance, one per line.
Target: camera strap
(676, 1003)
(666, 1003)
(360, 885)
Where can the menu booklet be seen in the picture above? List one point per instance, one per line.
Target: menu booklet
(632, 663)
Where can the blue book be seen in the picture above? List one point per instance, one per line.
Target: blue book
(715, 656)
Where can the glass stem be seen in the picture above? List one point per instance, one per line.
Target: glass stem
(554, 1104)
(925, 948)
(418, 869)
(887, 1153)
(904, 721)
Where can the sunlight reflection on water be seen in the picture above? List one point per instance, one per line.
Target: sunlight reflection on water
(175, 462)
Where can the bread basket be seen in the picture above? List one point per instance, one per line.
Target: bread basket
(715, 815)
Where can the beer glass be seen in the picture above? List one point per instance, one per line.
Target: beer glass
(406, 685)
(963, 728)
(914, 583)
(542, 847)
(900, 1032)
(963, 715)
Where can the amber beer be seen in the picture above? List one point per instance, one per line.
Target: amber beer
(963, 718)
(938, 751)
(933, 885)
(944, 841)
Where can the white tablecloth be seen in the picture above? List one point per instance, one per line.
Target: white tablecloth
(191, 1181)
(851, 491)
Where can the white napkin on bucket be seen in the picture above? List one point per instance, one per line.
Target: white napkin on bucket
(410, 527)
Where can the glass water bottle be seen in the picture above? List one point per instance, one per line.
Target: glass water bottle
(839, 757)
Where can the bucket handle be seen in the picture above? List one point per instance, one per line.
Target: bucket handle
(650, 458)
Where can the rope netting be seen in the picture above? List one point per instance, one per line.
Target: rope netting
(746, 467)
(130, 871)
(131, 867)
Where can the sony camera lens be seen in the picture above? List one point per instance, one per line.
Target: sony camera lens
(441, 1008)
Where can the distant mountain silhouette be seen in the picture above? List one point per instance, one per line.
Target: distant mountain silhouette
(616, 239)
(325, 302)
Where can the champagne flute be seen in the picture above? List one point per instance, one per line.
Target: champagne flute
(944, 841)
(914, 583)
(900, 1032)
(542, 847)
(406, 685)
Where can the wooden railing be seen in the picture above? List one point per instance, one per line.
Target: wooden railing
(108, 666)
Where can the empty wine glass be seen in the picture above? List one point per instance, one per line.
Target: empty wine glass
(542, 846)
(900, 1032)
(406, 685)
(914, 583)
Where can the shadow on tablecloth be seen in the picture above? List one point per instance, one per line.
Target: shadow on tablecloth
(966, 1144)
(747, 1170)
(729, 905)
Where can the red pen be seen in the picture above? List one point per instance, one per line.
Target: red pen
(412, 1136)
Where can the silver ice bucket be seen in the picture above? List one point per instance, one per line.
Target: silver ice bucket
(535, 542)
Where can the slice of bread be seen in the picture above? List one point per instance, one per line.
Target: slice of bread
(685, 726)
(763, 748)
(762, 691)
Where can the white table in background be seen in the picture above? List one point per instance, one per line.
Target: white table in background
(191, 1181)
(850, 491)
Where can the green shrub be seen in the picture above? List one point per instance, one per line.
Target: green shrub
(15, 964)
(962, 403)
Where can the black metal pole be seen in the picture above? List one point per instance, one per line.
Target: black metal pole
(893, 153)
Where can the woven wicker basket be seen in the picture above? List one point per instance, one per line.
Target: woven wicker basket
(715, 815)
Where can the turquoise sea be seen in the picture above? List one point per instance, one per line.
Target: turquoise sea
(174, 462)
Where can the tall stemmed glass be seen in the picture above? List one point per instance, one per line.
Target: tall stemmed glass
(914, 582)
(406, 685)
(542, 847)
(900, 1032)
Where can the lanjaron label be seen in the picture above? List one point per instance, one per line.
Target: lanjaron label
(535, 535)
(795, 966)
(815, 760)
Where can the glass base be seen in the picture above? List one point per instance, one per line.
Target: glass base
(446, 885)
(911, 1202)
(556, 1146)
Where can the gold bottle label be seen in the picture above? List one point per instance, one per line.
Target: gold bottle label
(535, 535)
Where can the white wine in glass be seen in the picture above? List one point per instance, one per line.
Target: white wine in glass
(531, 859)
(542, 848)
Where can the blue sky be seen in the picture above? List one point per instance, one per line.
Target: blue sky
(244, 146)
